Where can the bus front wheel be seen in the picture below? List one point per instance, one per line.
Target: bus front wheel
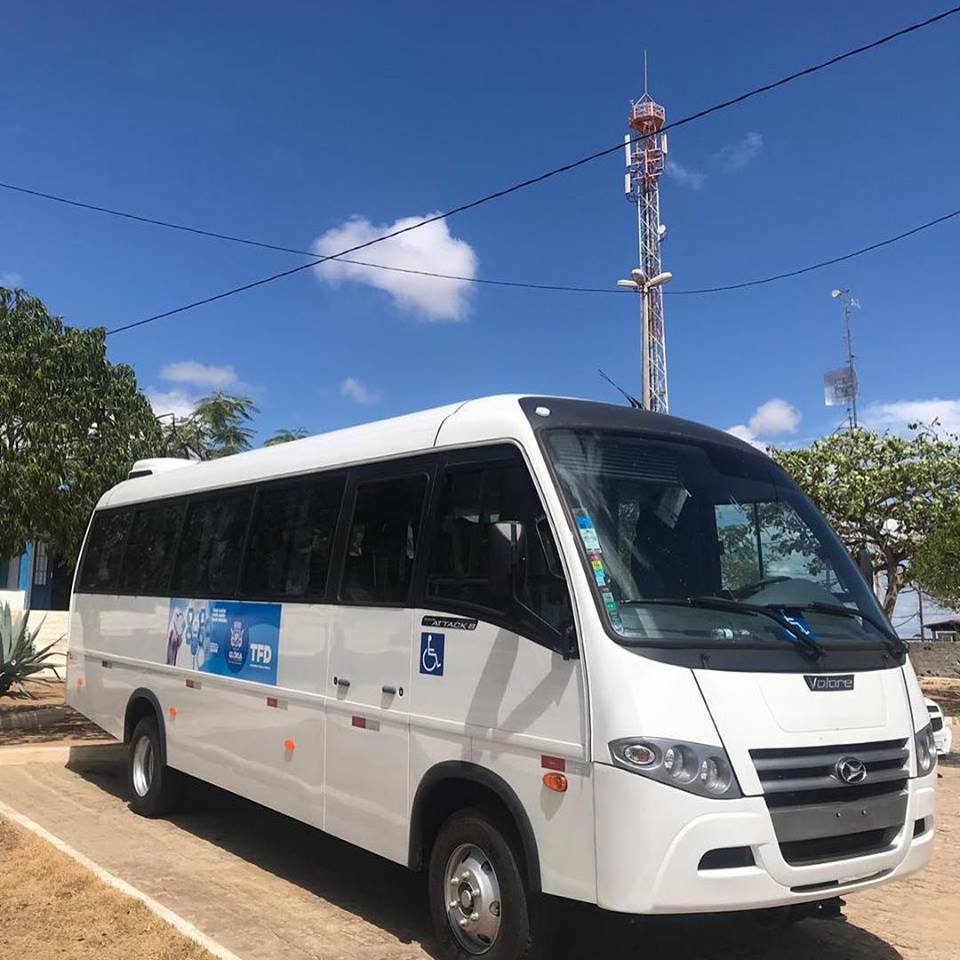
(152, 786)
(479, 901)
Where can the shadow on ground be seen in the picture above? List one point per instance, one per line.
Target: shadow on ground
(390, 897)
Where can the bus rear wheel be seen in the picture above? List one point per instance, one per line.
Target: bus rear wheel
(479, 901)
(153, 787)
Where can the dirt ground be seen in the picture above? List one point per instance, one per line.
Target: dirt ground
(51, 907)
(46, 718)
(43, 695)
(268, 888)
(945, 690)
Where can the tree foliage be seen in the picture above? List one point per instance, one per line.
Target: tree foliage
(936, 566)
(71, 425)
(880, 491)
(219, 426)
(283, 435)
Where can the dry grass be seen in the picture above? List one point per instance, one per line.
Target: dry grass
(51, 907)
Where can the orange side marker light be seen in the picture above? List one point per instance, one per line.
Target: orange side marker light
(79, 682)
(173, 713)
(289, 745)
(556, 782)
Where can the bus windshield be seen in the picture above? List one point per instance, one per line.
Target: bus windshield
(688, 542)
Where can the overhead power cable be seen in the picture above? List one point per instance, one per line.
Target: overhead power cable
(523, 284)
(540, 178)
(822, 263)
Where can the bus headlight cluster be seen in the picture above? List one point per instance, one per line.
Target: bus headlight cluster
(696, 767)
(926, 750)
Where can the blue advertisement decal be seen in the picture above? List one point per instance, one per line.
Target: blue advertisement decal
(227, 637)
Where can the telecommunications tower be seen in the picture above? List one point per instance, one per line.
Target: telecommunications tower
(646, 148)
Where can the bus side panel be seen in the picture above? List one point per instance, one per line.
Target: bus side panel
(261, 741)
(367, 744)
(101, 627)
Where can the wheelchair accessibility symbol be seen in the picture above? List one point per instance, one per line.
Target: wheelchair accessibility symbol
(431, 654)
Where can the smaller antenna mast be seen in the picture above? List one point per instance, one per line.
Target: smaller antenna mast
(633, 401)
(841, 386)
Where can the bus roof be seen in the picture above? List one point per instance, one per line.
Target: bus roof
(487, 419)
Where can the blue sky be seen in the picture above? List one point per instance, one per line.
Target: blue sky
(287, 121)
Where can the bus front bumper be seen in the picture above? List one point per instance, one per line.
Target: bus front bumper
(651, 839)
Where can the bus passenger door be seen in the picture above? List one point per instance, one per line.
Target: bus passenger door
(366, 781)
(490, 656)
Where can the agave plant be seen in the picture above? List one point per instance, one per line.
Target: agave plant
(19, 658)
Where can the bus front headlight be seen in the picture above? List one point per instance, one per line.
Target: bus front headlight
(695, 767)
(926, 750)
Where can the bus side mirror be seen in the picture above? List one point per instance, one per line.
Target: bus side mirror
(504, 558)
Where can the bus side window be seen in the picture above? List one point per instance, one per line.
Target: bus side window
(149, 558)
(382, 543)
(208, 561)
(291, 539)
(104, 552)
(474, 498)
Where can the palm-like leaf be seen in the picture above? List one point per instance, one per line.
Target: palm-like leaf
(19, 658)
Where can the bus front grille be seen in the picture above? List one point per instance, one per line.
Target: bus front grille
(834, 802)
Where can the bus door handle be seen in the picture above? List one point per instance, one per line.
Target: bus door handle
(341, 682)
(390, 691)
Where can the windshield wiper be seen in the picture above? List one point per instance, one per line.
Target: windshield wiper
(891, 641)
(735, 606)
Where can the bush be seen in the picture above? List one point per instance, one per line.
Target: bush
(19, 658)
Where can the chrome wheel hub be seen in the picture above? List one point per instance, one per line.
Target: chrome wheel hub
(143, 766)
(472, 898)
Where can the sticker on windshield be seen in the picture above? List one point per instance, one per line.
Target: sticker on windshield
(586, 529)
(596, 565)
(795, 620)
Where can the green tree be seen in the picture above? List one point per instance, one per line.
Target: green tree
(936, 566)
(880, 491)
(71, 425)
(219, 426)
(284, 435)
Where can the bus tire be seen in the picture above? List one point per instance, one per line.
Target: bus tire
(153, 787)
(480, 902)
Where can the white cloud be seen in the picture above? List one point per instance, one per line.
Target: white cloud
(200, 374)
(188, 382)
(898, 415)
(742, 432)
(685, 176)
(178, 402)
(774, 418)
(429, 248)
(10, 280)
(735, 156)
(359, 392)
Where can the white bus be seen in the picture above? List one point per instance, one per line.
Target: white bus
(534, 646)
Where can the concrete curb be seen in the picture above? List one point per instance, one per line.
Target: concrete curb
(31, 718)
(164, 913)
(91, 755)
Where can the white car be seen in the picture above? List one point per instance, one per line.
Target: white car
(942, 732)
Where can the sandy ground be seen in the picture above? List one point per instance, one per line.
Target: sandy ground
(52, 907)
(945, 690)
(42, 695)
(268, 887)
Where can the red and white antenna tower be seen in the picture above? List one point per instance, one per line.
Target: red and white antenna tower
(645, 161)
